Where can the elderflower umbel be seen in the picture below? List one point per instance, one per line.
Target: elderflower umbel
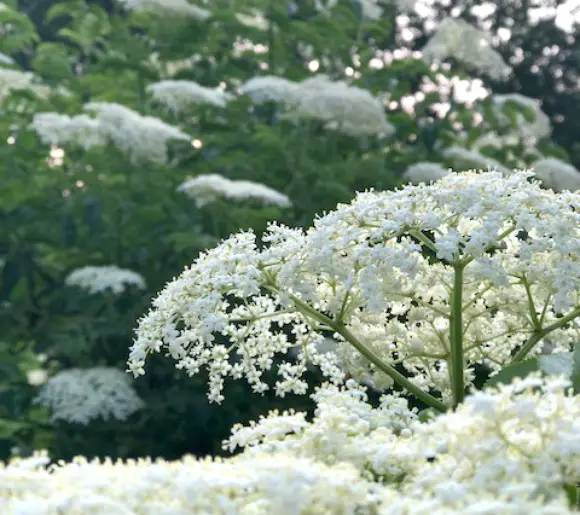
(537, 129)
(361, 275)
(205, 189)
(168, 7)
(470, 46)
(463, 158)
(60, 129)
(81, 395)
(97, 279)
(13, 80)
(179, 95)
(142, 138)
(267, 88)
(424, 172)
(557, 174)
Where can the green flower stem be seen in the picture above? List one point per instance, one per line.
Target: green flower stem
(456, 336)
(539, 334)
(399, 378)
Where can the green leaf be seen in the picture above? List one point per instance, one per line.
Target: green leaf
(507, 374)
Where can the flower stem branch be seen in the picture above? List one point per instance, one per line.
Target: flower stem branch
(537, 335)
(456, 336)
(394, 374)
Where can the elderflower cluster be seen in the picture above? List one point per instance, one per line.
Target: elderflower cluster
(179, 95)
(254, 485)
(13, 80)
(463, 158)
(424, 172)
(61, 129)
(539, 128)
(168, 7)
(362, 275)
(141, 138)
(556, 174)
(98, 279)
(509, 450)
(340, 107)
(458, 39)
(205, 189)
(82, 395)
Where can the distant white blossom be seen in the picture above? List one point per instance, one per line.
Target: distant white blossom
(208, 188)
(172, 7)
(463, 158)
(538, 129)
(6, 59)
(268, 88)
(36, 377)
(556, 174)
(13, 80)
(255, 20)
(61, 129)
(470, 46)
(345, 108)
(142, 138)
(81, 395)
(425, 172)
(97, 279)
(178, 95)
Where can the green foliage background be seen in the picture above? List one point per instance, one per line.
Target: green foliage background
(98, 208)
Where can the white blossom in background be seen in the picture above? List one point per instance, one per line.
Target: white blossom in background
(98, 279)
(470, 46)
(13, 80)
(344, 108)
(36, 377)
(463, 158)
(179, 95)
(6, 60)
(142, 138)
(370, 9)
(255, 20)
(363, 264)
(538, 129)
(556, 174)
(205, 189)
(82, 395)
(61, 129)
(492, 139)
(425, 172)
(268, 88)
(171, 7)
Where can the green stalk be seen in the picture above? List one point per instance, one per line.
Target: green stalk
(539, 334)
(394, 374)
(456, 336)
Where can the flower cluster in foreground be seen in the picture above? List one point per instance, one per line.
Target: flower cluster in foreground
(379, 275)
(505, 451)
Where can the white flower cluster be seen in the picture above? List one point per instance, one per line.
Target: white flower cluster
(540, 128)
(6, 60)
(179, 95)
(341, 107)
(424, 172)
(98, 279)
(463, 158)
(508, 451)
(504, 450)
(458, 39)
(370, 9)
(81, 395)
(205, 189)
(168, 7)
(361, 275)
(557, 174)
(141, 138)
(13, 80)
(61, 129)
